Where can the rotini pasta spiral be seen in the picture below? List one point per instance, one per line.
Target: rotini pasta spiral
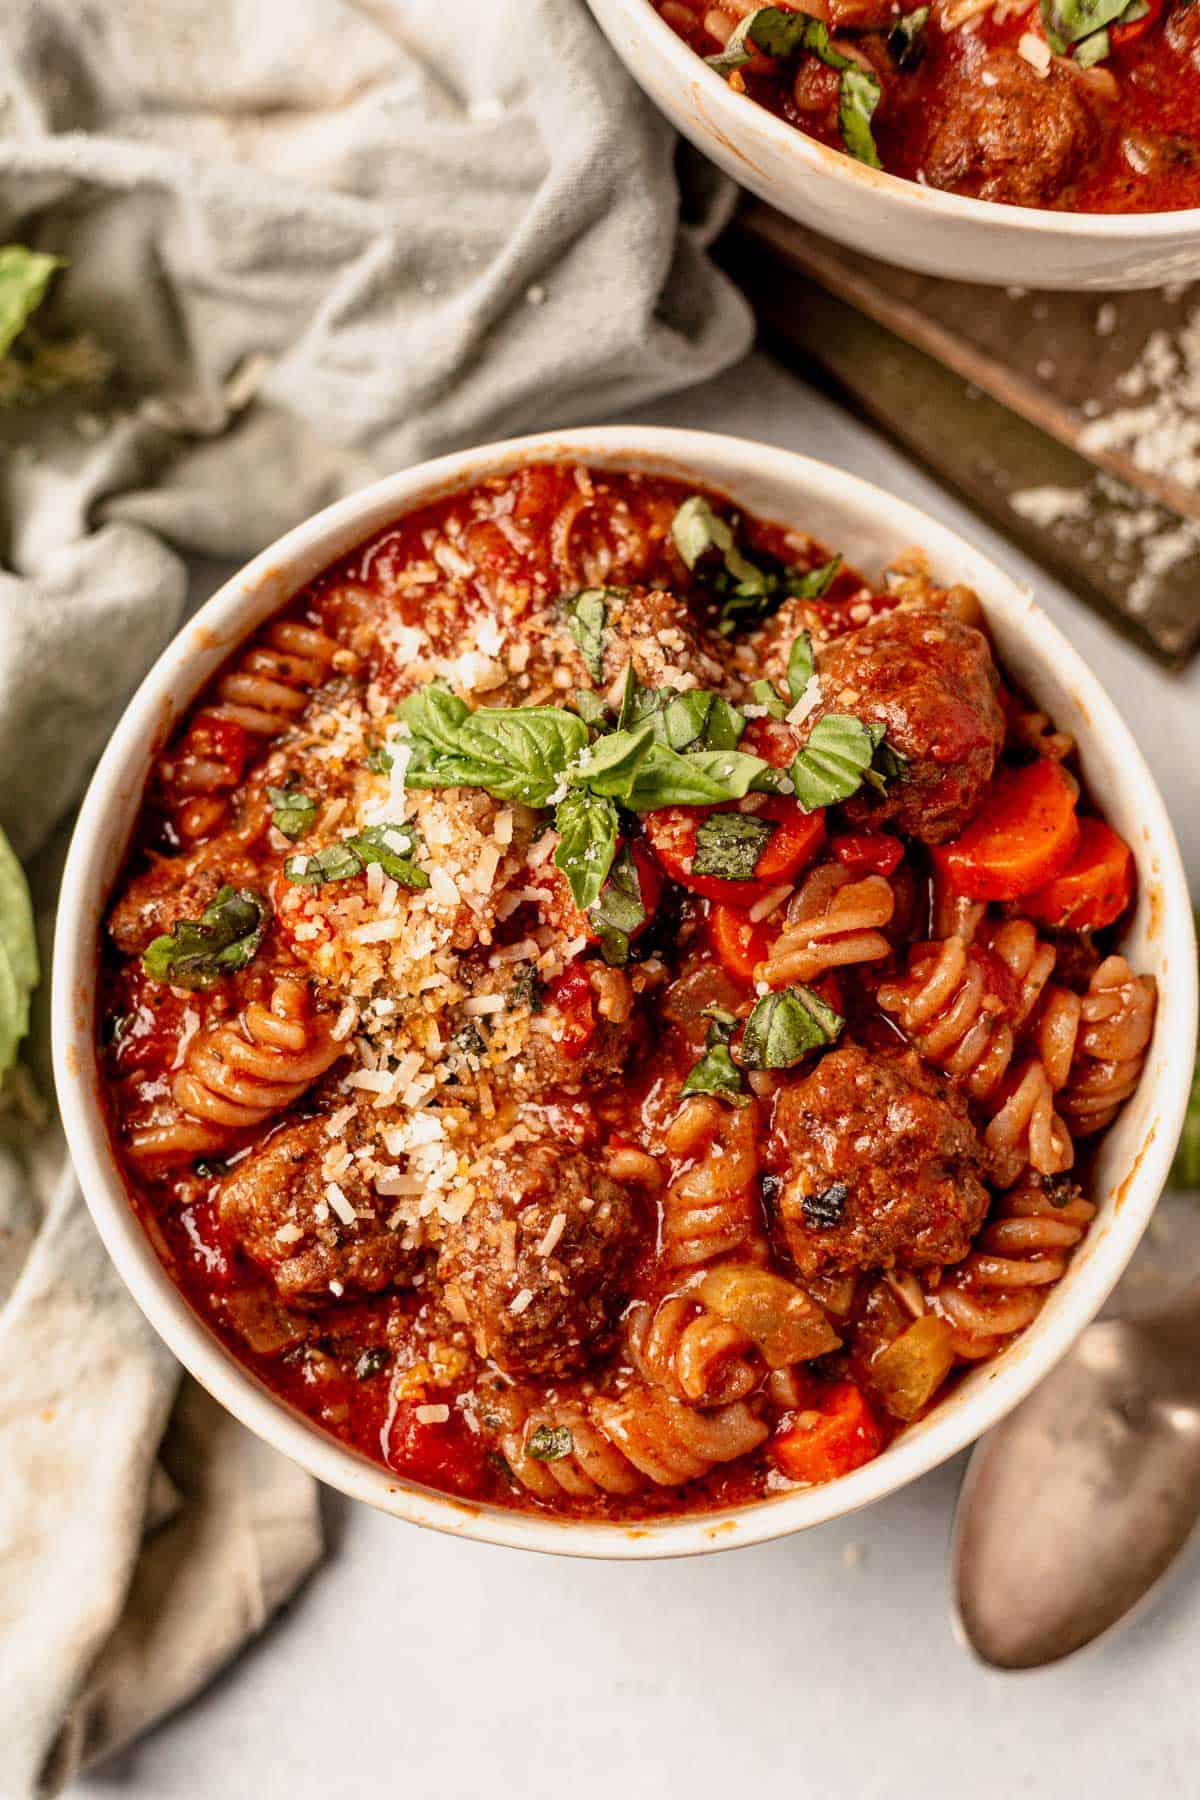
(1116, 1022)
(269, 685)
(831, 921)
(711, 1207)
(620, 1442)
(239, 1073)
(1019, 1255)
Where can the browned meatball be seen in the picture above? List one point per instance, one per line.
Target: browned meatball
(275, 1205)
(171, 888)
(1011, 134)
(574, 1032)
(932, 682)
(880, 1166)
(660, 634)
(538, 1268)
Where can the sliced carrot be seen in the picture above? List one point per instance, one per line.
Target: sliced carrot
(1024, 834)
(1095, 887)
(740, 945)
(868, 852)
(822, 1442)
(794, 842)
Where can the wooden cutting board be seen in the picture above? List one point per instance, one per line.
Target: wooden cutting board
(1070, 420)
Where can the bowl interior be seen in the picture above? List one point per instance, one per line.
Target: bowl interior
(870, 527)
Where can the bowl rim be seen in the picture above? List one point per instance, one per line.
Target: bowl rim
(257, 591)
(788, 140)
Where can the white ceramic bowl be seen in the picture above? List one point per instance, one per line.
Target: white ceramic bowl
(869, 526)
(899, 221)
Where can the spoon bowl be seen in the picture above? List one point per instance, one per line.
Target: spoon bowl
(1078, 1503)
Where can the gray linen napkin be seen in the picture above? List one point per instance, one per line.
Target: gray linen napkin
(319, 240)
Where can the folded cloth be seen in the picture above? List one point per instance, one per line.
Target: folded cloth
(316, 242)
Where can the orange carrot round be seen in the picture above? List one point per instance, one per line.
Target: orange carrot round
(1024, 834)
(1095, 887)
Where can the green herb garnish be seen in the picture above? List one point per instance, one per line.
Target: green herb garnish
(620, 910)
(292, 812)
(526, 989)
(716, 1072)
(785, 1026)
(391, 846)
(1080, 27)
(195, 953)
(587, 828)
(25, 277)
(550, 1443)
(18, 955)
(748, 590)
(372, 1362)
(514, 753)
(730, 845)
(785, 35)
(587, 615)
(800, 665)
(766, 694)
(906, 39)
(842, 752)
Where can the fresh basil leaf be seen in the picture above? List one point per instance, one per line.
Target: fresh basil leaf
(513, 753)
(587, 828)
(620, 911)
(591, 708)
(195, 953)
(587, 615)
(694, 719)
(697, 532)
(785, 1026)
(292, 812)
(906, 39)
(716, 1072)
(800, 665)
(378, 760)
(785, 34)
(25, 276)
(810, 584)
(336, 862)
(724, 726)
(392, 847)
(19, 970)
(1067, 22)
(550, 1443)
(833, 763)
(886, 764)
(699, 778)
(608, 766)
(735, 55)
(730, 845)
(858, 96)
(1092, 50)
(766, 694)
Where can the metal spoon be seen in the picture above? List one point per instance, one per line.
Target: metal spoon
(1074, 1508)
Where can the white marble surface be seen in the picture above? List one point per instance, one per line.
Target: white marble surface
(824, 1666)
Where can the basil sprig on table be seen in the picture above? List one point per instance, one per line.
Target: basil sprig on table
(1079, 28)
(195, 953)
(391, 846)
(785, 35)
(748, 590)
(18, 955)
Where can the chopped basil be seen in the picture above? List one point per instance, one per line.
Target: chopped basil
(587, 828)
(699, 778)
(391, 846)
(526, 989)
(513, 753)
(696, 719)
(550, 1443)
(195, 953)
(18, 955)
(716, 1072)
(469, 1041)
(824, 1210)
(587, 615)
(590, 708)
(748, 590)
(372, 1362)
(784, 34)
(292, 812)
(886, 764)
(842, 752)
(785, 1026)
(378, 760)
(1068, 22)
(730, 845)
(766, 694)
(25, 277)
(620, 910)
(906, 39)
(697, 531)
(800, 665)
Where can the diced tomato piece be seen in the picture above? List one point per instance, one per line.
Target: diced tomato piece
(1120, 37)
(773, 740)
(868, 852)
(1024, 834)
(738, 943)
(794, 842)
(822, 1442)
(1095, 887)
(446, 1455)
(571, 996)
(207, 1248)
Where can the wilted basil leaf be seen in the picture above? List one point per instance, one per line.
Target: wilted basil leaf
(730, 845)
(693, 720)
(195, 953)
(587, 615)
(785, 1026)
(513, 753)
(886, 764)
(858, 96)
(906, 39)
(800, 665)
(292, 812)
(749, 590)
(587, 828)
(550, 1443)
(620, 911)
(784, 34)
(391, 846)
(336, 862)
(378, 760)
(716, 1072)
(1066, 22)
(697, 531)
(766, 694)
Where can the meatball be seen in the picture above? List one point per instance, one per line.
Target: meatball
(932, 682)
(660, 634)
(538, 1268)
(576, 1031)
(275, 1205)
(1012, 134)
(171, 888)
(880, 1166)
